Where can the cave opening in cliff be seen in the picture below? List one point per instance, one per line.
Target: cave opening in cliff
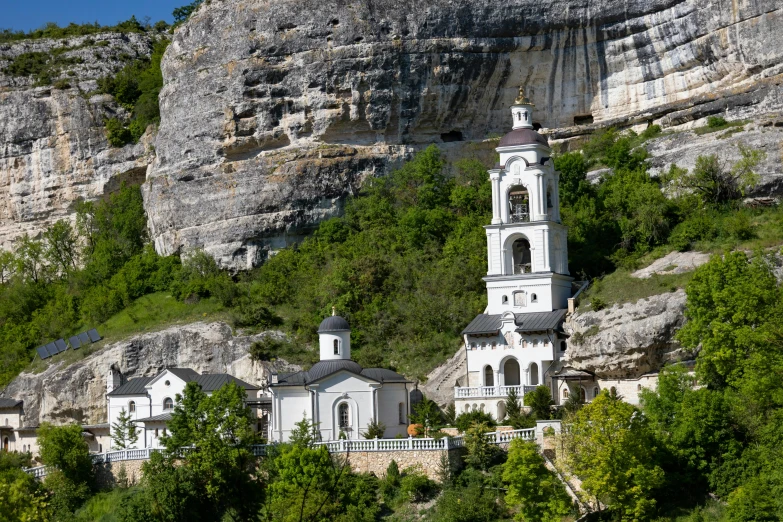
(583, 119)
(454, 135)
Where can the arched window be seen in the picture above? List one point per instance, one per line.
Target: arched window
(472, 346)
(596, 391)
(521, 254)
(401, 412)
(481, 408)
(483, 346)
(168, 404)
(100, 448)
(343, 414)
(533, 374)
(156, 433)
(518, 204)
(132, 407)
(494, 345)
(475, 407)
(565, 393)
(533, 298)
(336, 347)
(511, 373)
(466, 408)
(24, 448)
(613, 391)
(582, 395)
(501, 413)
(638, 387)
(489, 376)
(505, 299)
(563, 346)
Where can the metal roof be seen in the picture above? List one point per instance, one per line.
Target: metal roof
(9, 403)
(334, 323)
(132, 387)
(215, 381)
(104, 425)
(483, 324)
(383, 375)
(156, 418)
(523, 136)
(320, 370)
(186, 374)
(571, 373)
(540, 321)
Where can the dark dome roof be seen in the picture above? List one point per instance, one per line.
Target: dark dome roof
(324, 368)
(522, 137)
(334, 323)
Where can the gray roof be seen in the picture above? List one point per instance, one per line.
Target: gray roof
(208, 382)
(156, 418)
(483, 324)
(215, 381)
(186, 374)
(383, 375)
(9, 403)
(132, 387)
(324, 369)
(101, 426)
(540, 321)
(522, 137)
(571, 373)
(334, 323)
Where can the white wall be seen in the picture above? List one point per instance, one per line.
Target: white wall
(390, 396)
(326, 343)
(118, 403)
(289, 405)
(542, 353)
(344, 387)
(159, 391)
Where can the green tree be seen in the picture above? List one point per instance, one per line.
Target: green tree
(22, 498)
(304, 433)
(468, 504)
(123, 432)
(64, 448)
(427, 414)
(611, 448)
(183, 13)
(730, 307)
(375, 430)
(532, 488)
(61, 247)
(716, 183)
(540, 401)
(214, 433)
(479, 450)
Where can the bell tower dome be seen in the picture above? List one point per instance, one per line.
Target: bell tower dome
(334, 336)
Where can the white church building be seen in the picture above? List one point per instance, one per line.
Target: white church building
(518, 342)
(339, 396)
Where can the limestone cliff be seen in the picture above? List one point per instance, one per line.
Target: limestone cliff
(53, 148)
(77, 392)
(274, 111)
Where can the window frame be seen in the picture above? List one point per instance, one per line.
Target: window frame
(169, 400)
(344, 410)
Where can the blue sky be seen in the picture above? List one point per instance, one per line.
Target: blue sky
(31, 14)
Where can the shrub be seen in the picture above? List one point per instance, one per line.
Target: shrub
(540, 401)
(416, 486)
(117, 134)
(467, 419)
(714, 122)
(470, 504)
(738, 226)
(375, 430)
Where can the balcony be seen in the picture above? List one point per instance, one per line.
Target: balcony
(489, 392)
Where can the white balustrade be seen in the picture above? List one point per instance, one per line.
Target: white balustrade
(480, 392)
(337, 446)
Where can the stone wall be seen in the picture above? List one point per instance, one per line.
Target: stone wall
(377, 461)
(108, 474)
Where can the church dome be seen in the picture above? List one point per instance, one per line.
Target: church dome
(323, 368)
(522, 136)
(334, 323)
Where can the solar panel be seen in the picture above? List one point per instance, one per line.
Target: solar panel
(75, 342)
(52, 349)
(84, 338)
(93, 335)
(42, 353)
(60, 344)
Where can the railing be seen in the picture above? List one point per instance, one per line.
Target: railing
(468, 392)
(335, 446)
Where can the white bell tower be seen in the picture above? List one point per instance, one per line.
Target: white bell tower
(527, 252)
(334, 336)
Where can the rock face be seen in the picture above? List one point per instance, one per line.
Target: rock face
(626, 341)
(77, 392)
(53, 148)
(274, 111)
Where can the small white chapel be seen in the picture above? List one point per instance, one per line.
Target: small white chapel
(339, 396)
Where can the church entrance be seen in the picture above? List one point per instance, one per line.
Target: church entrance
(521, 252)
(511, 372)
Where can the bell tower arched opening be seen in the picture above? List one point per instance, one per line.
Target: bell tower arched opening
(522, 259)
(518, 204)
